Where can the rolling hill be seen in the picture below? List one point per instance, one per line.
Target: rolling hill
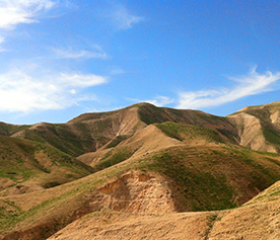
(141, 167)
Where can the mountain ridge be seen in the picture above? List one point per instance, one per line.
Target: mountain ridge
(145, 161)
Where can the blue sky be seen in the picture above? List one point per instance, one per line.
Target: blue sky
(62, 58)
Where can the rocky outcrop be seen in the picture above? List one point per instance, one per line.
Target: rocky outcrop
(133, 192)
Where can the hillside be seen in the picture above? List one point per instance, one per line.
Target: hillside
(258, 221)
(175, 179)
(29, 166)
(259, 127)
(89, 132)
(253, 127)
(140, 167)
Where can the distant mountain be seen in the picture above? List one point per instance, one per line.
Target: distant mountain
(91, 131)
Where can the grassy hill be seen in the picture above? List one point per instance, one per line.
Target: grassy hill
(143, 160)
(27, 166)
(195, 179)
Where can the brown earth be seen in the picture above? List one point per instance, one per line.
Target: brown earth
(258, 221)
(144, 175)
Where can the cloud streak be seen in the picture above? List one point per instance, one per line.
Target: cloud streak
(251, 84)
(96, 52)
(160, 101)
(14, 12)
(247, 85)
(21, 92)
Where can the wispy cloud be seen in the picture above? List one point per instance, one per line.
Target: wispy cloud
(95, 52)
(119, 16)
(14, 12)
(22, 92)
(160, 101)
(247, 85)
(123, 19)
(2, 40)
(82, 81)
(250, 84)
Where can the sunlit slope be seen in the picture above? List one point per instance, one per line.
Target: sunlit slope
(27, 166)
(259, 127)
(257, 221)
(90, 132)
(153, 138)
(178, 178)
(86, 133)
(253, 127)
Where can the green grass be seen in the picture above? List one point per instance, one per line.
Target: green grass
(271, 136)
(262, 174)
(185, 131)
(9, 129)
(198, 186)
(18, 162)
(112, 158)
(116, 141)
(150, 114)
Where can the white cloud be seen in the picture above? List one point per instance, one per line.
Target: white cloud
(251, 84)
(2, 40)
(160, 101)
(97, 52)
(14, 12)
(21, 92)
(77, 80)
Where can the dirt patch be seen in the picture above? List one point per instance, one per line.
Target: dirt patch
(5, 183)
(134, 193)
(111, 225)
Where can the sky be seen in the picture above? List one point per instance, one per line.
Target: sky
(62, 58)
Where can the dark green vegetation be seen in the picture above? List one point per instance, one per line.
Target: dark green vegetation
(272, 136)
(189, 132)
(114, 157)
(116, 141)
(22, 160)
(63, 138)
(213, 179)
(9, 129)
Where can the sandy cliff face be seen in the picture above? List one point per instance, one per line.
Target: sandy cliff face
(134, 193)
(250, 132)
(256, 221)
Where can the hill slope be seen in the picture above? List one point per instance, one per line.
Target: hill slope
(258, 221)
(145, 161)
(175, 179)
(89, 132)
(27, 166)
(259, 127)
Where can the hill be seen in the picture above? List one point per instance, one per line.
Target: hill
(253, 127)
(89, 132)
(250, 222)
(144, 162)
(27, 166)
(258, 127)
